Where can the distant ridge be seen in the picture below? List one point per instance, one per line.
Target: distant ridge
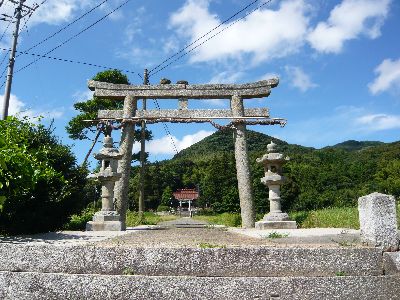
(352, 145)
(222, 141)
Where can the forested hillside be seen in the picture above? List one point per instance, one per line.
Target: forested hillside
(332, 176)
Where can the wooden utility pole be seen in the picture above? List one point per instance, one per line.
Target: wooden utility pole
(142, 173)
(21, 11)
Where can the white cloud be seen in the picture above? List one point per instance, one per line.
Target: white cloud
(164, 145)
(57, 12)
(263, 35)
(269, 76)
(80, 96)
(18, 108)
(299, 79)
(388, 76)
(377, 122)
(344, 123)
(348, 20)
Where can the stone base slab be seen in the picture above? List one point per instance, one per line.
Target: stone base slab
(37, 286)
(104, 226)
(276, 225)
(253, 261)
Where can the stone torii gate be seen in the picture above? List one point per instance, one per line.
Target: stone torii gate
(238, 115)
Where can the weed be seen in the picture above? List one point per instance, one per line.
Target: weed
(128, 271)
(208, 245)
(341, 273)
(277, 235)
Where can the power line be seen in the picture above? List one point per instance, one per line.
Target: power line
(5, 30)
(66, 26)
(25, 26)
(211, 37)
(74, 36)
(1, 38)
(67, 61)
(204, 35)
(167, 129)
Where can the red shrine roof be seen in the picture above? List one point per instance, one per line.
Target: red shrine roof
(186, 194)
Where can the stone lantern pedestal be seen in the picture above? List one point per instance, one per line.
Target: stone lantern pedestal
(273, 179)
(107, 219)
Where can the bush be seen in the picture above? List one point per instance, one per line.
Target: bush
(227, 219)
(40, 183)
(345, 217)
(78, 222)
(163, 208)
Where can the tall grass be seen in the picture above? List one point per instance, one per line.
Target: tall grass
(227, 219)
(133, 218)
(346, 217)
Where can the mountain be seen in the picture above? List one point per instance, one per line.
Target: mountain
(222, 141)
(352, 145)
(333, 176)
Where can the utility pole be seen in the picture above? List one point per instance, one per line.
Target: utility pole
(20, 12)
(142, 150)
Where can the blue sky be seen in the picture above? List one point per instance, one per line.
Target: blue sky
(338, 62)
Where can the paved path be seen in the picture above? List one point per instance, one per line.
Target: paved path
(185, 222)
(187, 232)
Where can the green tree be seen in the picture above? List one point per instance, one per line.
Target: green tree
(40, 184)
(79, 130)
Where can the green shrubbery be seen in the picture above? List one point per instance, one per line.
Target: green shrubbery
(227, 219)
(162, 208)
(78, 221)
(40, 183)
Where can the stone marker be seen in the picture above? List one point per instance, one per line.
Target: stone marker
(107, 219)
(378, 222)
(273, 179)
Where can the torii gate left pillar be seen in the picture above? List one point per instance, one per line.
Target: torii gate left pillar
(234, 92)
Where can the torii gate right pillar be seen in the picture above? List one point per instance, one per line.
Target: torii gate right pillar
(243, 166)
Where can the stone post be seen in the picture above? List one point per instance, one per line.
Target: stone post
(124, 166)
(242, 166)
(273, 179)
(378, 222)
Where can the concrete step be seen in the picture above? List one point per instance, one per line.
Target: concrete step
(220, 262)
(31, 285)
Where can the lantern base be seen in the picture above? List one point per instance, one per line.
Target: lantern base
(276, 225)
(104, 226)
(105, 221)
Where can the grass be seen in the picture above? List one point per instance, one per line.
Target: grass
(227, 219)
(336, 217)
(147, 218)
(276, 235)
(208, 245)
(345, 217)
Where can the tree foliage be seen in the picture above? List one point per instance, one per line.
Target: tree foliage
(40, 184)
(329, 177)
(79, 130)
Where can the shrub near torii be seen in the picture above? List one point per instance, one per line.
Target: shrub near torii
(40, 184)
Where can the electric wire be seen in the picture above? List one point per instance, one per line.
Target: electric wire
(204, 35)
(168, 132)
(65, 60)
(211, 37)
(5, 30)
(25, 25)
(66, 26)
(1, 38)
(74, 36)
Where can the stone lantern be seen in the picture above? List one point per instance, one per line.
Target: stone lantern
(273, 179)
(107, 219)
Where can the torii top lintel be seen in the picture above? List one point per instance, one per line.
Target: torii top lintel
(257, 89)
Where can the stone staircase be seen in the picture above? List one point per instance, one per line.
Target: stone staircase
(95, 271)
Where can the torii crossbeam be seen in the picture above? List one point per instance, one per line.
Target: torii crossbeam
(239, 116)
